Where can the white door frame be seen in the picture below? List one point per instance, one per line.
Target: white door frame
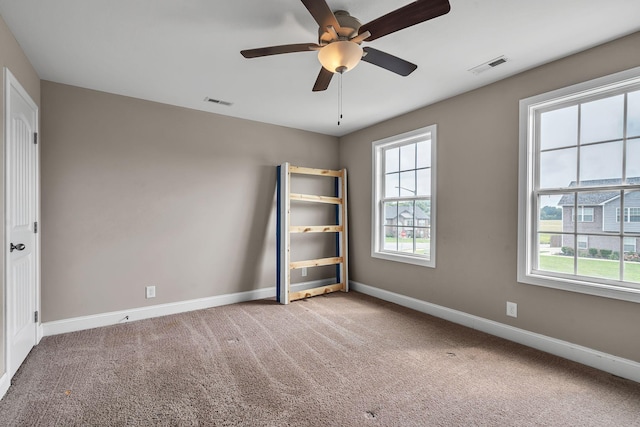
(11, 82)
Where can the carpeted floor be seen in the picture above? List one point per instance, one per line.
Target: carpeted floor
(335, 360)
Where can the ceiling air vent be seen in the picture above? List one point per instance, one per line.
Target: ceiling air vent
(489, 65)
(218, 101)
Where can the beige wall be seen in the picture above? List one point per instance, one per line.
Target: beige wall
(12, 57)
(137, 193)
(477, 211)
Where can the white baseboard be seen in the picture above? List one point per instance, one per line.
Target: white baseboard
(122, 316)
(5, 382)
(605, 362)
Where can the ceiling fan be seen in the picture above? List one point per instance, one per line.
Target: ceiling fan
(340, 36)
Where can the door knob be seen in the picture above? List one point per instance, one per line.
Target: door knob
(18, 247)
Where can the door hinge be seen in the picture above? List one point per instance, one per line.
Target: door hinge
(35, 137)
(35, 227)
(36, 316)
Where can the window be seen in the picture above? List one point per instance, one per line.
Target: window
(583, 242)
(580, 155)
(630, 214)
(629, 244)
(584, 214)
(404, 204)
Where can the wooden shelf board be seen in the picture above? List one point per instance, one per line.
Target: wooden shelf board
(312, 171)
(316, 229)
(315, 262)
(315, 199)
(316, 291)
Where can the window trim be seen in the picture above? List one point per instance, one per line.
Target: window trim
(377, 222)
(526, 215)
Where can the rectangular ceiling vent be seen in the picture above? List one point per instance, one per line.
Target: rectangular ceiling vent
(218, 101)
(489, 65)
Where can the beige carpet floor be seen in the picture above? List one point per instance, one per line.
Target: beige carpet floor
(335, 360)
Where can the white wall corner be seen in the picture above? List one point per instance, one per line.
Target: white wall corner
(596, 359)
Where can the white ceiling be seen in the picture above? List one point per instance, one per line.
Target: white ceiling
(179, 52)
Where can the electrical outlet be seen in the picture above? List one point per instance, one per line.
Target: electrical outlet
(304, 271)
(151, 291)
(512, 309)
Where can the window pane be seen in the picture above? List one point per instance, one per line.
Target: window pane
(423, 213)
(632, 212)
(588, 218)
(408, 183)
(633, 158)
(629, 245)
(391, 213)
(559, 128)
(600, 161)
(390, 239)
(424, 182)
(423, 154)
(548, 206)
(633, 114)
(598, 258)
(391, 160)
(632, 265)
(558, 168)
(550, 213)
(408, 157)
(392, 185)
(423, 245)
(405, 239)
(602, 120)
(405, 213)
(555, 253)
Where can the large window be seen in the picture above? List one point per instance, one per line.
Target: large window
(404, 197)
(579, 210)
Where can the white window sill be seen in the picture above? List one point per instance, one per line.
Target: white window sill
(590, 288)
(407, 259)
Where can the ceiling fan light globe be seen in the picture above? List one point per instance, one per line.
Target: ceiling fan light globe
(340, 56)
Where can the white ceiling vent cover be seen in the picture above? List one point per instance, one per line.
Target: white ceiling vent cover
(489, 65)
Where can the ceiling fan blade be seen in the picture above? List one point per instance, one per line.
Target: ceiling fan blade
(323, 80)
(321, 12)
(277, 50)
(388, 61)
(411, 14)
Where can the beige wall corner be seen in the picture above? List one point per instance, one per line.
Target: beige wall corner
(477, 210)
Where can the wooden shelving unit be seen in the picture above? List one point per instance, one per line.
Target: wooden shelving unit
(285, 198)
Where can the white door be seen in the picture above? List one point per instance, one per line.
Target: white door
(21, 196)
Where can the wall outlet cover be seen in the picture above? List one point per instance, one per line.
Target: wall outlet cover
(512, 309)
(150, 291)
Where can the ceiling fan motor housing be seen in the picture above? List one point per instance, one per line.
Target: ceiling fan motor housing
(349, 27)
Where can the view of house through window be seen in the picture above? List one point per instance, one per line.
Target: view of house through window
(584, 189)
(403, 197)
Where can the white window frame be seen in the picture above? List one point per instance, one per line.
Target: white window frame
(378, 213)
(527, 203)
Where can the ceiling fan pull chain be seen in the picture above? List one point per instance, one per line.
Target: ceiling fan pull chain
(340, 100)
